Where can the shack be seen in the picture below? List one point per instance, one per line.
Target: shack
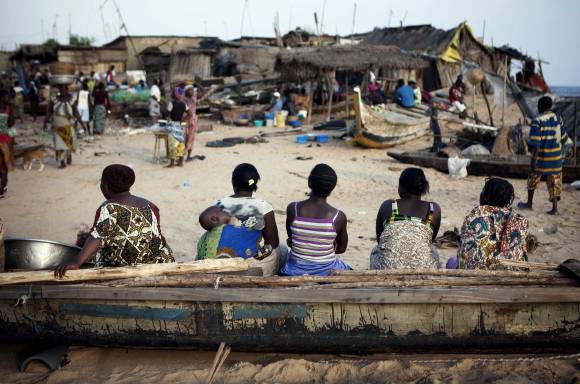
(321, 66)
(134, 46)
(98, 59)
(446, 50)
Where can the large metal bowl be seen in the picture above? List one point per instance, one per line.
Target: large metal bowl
(32, 254)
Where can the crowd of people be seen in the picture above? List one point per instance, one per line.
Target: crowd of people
(127, 228)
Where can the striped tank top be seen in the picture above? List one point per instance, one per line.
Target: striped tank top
(313, 239)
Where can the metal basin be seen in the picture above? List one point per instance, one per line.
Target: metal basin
(32, 254)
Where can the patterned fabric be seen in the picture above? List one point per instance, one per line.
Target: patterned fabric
(547, 134)
(176, 140)
(405, 243)
(313, 245)
(553, 181)
(99, 119)
(129, 235)
(490, 234)
(228, 241)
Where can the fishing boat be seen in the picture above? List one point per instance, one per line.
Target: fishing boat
(388, 127)
(349, 312)
(515, 166)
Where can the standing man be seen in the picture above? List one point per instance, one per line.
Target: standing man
(154, 101)
(547, 134)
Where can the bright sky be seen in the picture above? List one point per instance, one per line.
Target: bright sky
(549, 27)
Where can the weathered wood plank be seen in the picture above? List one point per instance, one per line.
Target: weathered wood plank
(453, 295)
(79, 275)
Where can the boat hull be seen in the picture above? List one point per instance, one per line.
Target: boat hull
(387, 129)
(360, 321)
(516, 167)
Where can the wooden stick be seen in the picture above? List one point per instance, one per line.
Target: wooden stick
(216, 361)
(529, 265)
(313, 281)
(95, 274)
(445, 272)
(223, 358)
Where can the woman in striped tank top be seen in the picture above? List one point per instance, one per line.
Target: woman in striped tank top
(316, 230)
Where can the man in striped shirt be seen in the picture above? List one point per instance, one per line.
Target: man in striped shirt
(547, 135)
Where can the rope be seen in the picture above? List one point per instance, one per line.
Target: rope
(216, 283)
(491, 359)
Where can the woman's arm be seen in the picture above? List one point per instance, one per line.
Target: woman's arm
(289, 219)
(436, 219)
(382, 214)
(342, 234)
(270, 231)
(91, 247)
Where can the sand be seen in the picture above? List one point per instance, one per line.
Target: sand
(104, 365)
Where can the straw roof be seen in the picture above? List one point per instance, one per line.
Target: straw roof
(306, 63)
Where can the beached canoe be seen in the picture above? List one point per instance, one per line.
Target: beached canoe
(517, 166)
(353, 312)
(389, 127)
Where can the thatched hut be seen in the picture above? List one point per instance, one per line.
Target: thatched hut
(322, 65)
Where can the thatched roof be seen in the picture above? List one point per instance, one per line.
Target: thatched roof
(421, 38)
(310, 62)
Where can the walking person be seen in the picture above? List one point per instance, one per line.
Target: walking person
(102, 108)
(33, 99)
(62, 113)
(83, 103)
(547, 135)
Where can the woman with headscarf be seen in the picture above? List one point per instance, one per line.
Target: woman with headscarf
(62, 113)
(126, 230)
(316, 230)
(492, 231)
(102, 108)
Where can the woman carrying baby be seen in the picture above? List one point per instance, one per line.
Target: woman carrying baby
(242, 225)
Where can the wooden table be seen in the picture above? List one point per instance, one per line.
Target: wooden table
(160, 136)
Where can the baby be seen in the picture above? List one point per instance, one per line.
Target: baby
(214, 216)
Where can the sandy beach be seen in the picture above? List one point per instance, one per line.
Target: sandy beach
(53, 203)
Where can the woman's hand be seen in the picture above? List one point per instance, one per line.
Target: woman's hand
(60, 270)
(264, 252)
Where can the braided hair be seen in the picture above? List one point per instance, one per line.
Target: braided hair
(413, 182)
(322, 180)
(497, 192)
(245, 178)
(118, 178)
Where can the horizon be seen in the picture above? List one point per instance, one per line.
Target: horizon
(33, 22)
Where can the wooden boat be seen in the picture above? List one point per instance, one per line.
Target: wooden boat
(516, 166)
(389, 127)
(350, 312)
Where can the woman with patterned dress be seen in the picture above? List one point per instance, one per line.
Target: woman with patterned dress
(62, 113)
(190, 99)
(127, 229)
(406, 227)
(492, 231)
(178, 113)
(316, 230)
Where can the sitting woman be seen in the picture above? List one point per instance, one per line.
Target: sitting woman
(254, 215)
(493, 231)
(316, 230)
(126, 229)
(406, 227)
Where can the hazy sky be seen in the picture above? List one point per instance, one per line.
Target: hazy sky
(550, 27)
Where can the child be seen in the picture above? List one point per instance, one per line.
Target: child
(225, 237)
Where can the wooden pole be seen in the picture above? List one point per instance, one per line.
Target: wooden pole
(503, 93)
(141, 270)
(574, 130)
(310, 97)
(487, 104)
(330, 80)
(347, 95)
